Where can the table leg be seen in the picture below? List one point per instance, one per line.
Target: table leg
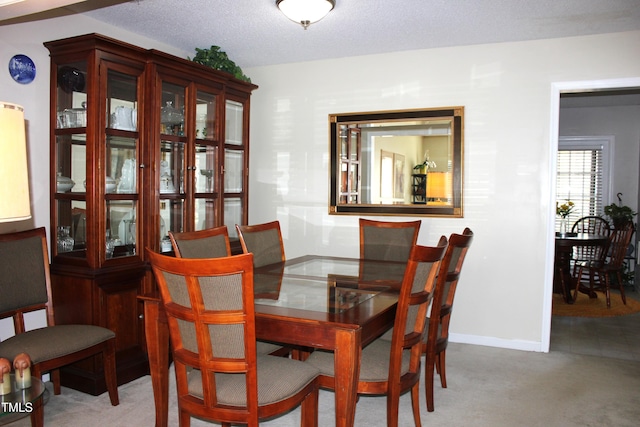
(37, 414)
(347, 355)
(562, 275)
(157, 336)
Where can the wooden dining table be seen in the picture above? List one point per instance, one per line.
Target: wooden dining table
(331, 303)
(563, 281)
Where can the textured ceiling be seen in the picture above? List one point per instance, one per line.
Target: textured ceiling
(255, 33)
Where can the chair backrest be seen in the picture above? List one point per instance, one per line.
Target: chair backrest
(210, 311)
(416, 293)
(264, 241)
(592, 225)
(208, 243)
(618, 245)
(25, 283)
(387, 241)
(450, 269)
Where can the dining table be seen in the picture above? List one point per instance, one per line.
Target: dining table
(310, 302)
(563, 281)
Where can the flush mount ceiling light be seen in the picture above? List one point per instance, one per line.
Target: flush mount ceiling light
(305, 12)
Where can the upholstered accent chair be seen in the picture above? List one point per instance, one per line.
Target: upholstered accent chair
(219, 374)
(214, 243)
(387, 240)
(264, 241)
(25, 286)
(392, 367)
(441, 308)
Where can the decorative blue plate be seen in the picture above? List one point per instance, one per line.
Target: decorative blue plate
(22, 69)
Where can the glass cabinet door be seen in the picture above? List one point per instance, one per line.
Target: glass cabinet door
(172, 161)
(70, 207)
(206, 162)
(122, 163)
(234, 194)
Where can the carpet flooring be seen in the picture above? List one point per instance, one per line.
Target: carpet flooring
(595, 307)
(488, 387)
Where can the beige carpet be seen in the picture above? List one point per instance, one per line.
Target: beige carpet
(594, 307)
(488, 387)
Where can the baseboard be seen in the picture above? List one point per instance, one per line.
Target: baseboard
(496, 342)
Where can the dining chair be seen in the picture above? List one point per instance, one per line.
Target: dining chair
(386, 240)
(25, 287)
(437, 338)
(591, 224)
(219, 374)
(208, 243)
(611, 263)
(264, 241)
(392, 367)
(214, 243)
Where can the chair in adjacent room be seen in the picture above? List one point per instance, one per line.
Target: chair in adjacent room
(438, 329)
(25, 286)
(264, 241)
(589, 225)
(392, 367)
(219, 375)
(386, 240)
(214, 243)
(612, 263)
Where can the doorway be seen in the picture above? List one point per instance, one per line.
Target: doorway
(590, 92)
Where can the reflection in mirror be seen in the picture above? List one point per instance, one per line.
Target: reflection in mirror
(397, 163)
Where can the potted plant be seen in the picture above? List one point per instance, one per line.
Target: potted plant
(424, 167)
(218, 60)
(619, 214)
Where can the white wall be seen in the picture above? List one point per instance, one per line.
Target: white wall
(505, 88)
(506, 91)
(621, 122)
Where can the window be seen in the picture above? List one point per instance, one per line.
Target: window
(583, 175)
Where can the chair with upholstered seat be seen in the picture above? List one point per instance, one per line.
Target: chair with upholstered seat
(393, 367)
(441, 308)
(25, 286)
(386, 240)
(612, 263)
(219, 375)
(264, 241)
(208, 243)
(214, 243)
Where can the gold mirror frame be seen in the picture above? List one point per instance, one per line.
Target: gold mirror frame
(345, 168)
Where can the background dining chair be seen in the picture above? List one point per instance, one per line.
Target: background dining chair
(25, 286)
(392, 367)
(264, 241)
(611, 263)
(219, 375)
(214, 243)
(208, 243)
(387, 241)
(590, 225)
(438, 330)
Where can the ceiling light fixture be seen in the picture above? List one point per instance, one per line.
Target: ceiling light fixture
(305, 12)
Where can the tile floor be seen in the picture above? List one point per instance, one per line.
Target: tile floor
(614, 337)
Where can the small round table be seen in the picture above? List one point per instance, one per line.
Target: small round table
(20, 403)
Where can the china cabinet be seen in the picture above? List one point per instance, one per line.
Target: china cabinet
(142, 143)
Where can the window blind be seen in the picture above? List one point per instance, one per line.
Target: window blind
(580, 180)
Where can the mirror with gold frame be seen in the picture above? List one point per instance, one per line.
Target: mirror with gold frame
(406, 162)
